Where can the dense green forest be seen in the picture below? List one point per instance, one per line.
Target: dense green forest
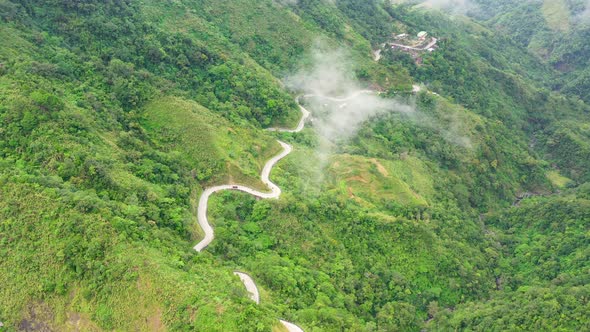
(555, 31)
(467, 208)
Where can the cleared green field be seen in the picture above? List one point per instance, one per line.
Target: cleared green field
(557, 179)
(370, 180)
(216, 150)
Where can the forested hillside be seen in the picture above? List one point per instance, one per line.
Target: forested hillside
(555, 31)
(439, 190)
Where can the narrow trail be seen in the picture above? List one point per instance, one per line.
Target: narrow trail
(275, 192)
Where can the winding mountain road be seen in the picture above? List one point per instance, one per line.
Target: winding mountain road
(304, 115)
(432, 42)
(291, 327)
(347, 98)
(275, 192)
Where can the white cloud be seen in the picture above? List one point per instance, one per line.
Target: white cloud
(331, 75)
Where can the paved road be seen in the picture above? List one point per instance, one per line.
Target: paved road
(250, 286)
(291, 327)
(431, 44)
(275, 192)
(347, 98)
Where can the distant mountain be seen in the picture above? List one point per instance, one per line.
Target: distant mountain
(556, 31)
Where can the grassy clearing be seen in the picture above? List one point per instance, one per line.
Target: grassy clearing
(370, 180)
(556, 14)
(557, 179)
(405, 181)
(218, 151)
(13, 44)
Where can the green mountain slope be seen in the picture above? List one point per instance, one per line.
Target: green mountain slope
(115, 116)
(541, 289)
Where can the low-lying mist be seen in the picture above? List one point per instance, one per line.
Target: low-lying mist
(340, 105)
